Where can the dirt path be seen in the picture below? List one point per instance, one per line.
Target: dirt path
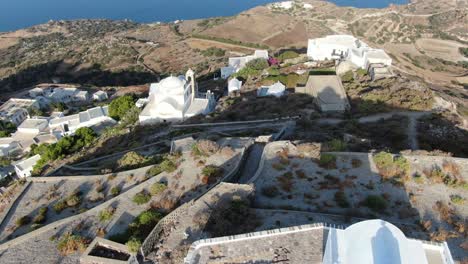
(225, 44)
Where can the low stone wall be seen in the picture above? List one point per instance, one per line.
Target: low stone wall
(237, 122)
(13, 201)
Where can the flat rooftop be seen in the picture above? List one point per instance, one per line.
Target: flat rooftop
(328, 92)
(295, 245)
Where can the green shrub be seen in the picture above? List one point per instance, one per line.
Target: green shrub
(23, 221)
(6, 128)
(60, 206)
(336, 145)
(213, 52)
(457, 199)
(347, 77)
(341, 200)
(115, 191)
(153, 171)
(257, 64)
(132, 160)
(211, 173)
(288, 55)
(40, 218)
(390, 166)
(148, 217)
(106, 214)
(120, 106)
(157, 188)
(141, 197)
(168, 166)
(273, 71)
(133, 245)
(327, 161)
(376, 203)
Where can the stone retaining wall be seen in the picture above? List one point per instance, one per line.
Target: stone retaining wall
(237, 122)
(91, 212)
(13, 201)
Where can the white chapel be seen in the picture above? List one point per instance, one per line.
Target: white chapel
(175, 99)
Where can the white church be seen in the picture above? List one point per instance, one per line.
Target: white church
(346, 48)
(175, 99)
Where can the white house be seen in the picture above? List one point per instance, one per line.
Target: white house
(93, 117)
(175, 99)
(100, 96)
(234, 85)
(68, 95)
(33, 126)
(25, 167)
(237, 63)
(9, 146)
(16, 110)
(277, 89)
(346, 48)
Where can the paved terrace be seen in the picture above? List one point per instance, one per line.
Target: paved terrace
(294, 245)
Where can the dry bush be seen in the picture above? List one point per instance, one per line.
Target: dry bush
(227, 151)
(356, 163)
(205, 147)
(391, 167)
(200, 163)
(278, 166)
(451, 168)
(445, 212)
(70, 243)
(101, 232)
(286, 181)
(300, 174)
(270, 191)
(442, 235)
(309, 150)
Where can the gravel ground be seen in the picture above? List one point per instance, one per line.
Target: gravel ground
(315, 190)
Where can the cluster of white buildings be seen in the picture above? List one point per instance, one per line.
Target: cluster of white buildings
(347, 48)
(287, 5)
(175, 99)
(65, 95)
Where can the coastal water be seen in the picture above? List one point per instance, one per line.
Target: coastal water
(16, 14)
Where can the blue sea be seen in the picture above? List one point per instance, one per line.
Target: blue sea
(16, 14)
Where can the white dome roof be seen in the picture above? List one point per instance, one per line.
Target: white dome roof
(171, 83)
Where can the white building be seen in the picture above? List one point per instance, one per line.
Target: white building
(283, 5)
(277, 89)
(16, 110)
(33, 126)
(93, 117)
(25, 167)
(9, 146)
(346, 48)
(175, 99)
(68, 95)
(234, 85)
(100, 96)
(237, 63)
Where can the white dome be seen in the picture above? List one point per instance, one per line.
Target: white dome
(172, 84)
(375, 241)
